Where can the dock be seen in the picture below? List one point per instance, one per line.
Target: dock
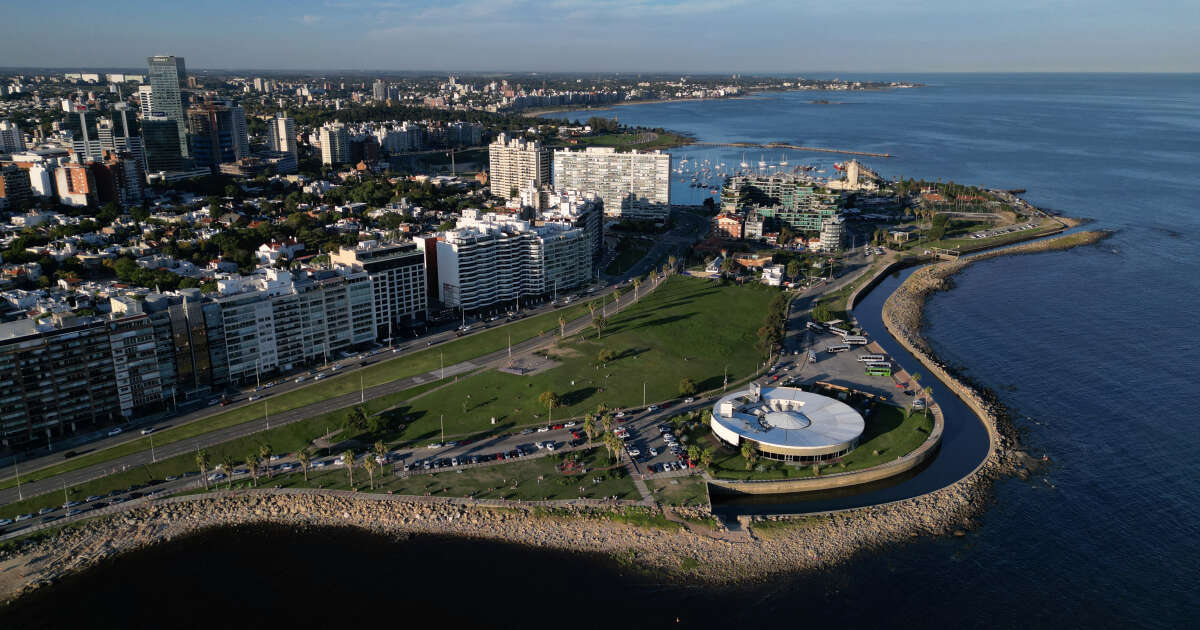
(792, 147)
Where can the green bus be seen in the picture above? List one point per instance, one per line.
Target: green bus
(879, 370)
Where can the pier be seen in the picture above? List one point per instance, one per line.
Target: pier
(792, 147)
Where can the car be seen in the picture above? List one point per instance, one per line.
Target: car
(576, 434)
(71, 504)
(651, 408)
(527, 431)
(689, 400)
(557, 426)
(550, 446)
(433, 446)
(274, 458)
(319, 464)
(149, 430)
(300, 379)
(75, 512)
(91, 498)
(454, 461)
(653, 451)
(619, 414)
(51, 518)
(569, 424)
(622, 420)
(633, 452)
(5, 521)
(24, 517)
(115, 431)
(474, 459)
(909, 392)
(918, 403)
(214, 401)
(543, 429)
(216, 476)
(172, 477)
(320, 376)
(116, 500)
(253, 398)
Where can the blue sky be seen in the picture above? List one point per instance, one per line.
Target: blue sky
(611, 35)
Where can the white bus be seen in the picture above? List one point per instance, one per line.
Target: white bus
(872, 358)
(838, 331)
(879, 364)
(855, 340)
(838, 348)
(815, 327)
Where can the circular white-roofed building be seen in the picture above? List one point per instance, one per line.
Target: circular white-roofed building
(787, 423)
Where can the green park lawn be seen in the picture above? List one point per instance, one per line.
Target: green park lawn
(386, 371)
(629, 252)
(680, 491)
(687, 328)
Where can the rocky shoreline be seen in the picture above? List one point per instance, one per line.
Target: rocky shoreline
(693, 552)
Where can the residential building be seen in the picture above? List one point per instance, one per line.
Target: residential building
(397, 279)
(76, 185)
(83, 123)
(121, 133)
(833, 235)
(281, 135)
(516, 163)
(634, 185)
(575, 209)
(146, 100)
(729, 226)
(491, 259)
(783, 200)
(14, 186)
(218, 134)
(161, 140)
(335, 143)
(11, 139)
(167, 74)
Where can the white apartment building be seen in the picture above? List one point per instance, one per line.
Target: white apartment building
(281, 135)
(11, 139)
(490, 259)
(335, 143)
(515, 163)
(633, 185)
(397, 280)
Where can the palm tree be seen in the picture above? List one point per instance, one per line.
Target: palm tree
(614, 445)
(927, 392)
(202, 460)
(749, 453)
(706, 457)
(562, 326)
(599, 323)
(589, 426)
(380, 451)
(606, 421)
(370, 465)
(671, 263)
(348, 459)
(550, 400)
(693, 452)
(305, 458)
(637, 283)
(227, 464)
(252, 465)
(264, 452)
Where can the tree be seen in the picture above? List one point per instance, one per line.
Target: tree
(381, 451)
(728, 265)
(562, 326)
(927, 392)
(605, 355)
(614, 445)
(706, 457)
(252, 465)
(693, 452)
(264, 452)
(589, 426)
(305, 458)
(793, 269)
(348, 460)
(549, 400)
(599, 323)
(750, 453)
(356, 419)
(606, 421)
(202, 460)
(637, 283)
(672, 263)
(227, 464)
(370, 465)
(786, 235)
(687, 387)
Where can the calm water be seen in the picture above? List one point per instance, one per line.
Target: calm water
(1096, 350)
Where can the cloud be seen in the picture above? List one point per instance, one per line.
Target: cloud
(309, 19)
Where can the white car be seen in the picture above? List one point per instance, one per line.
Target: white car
(253, 398)
(299, 379)
(633, 452)
(652, 408)
(434, 445)
(653, 452)
(569, 424)
(148, 430)
(115, 431)
(543, 429)
(619, 414)
(689, 400)
(320, 376)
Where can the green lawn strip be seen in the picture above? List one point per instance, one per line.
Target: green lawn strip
(679, 491)
(888, 435)
(534, 479)
(286, 439)
(687, 328)
(428, 360)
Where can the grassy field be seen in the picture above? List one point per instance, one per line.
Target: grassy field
(687, 328)
(386, 371)
(682, 491)
(535, 479)
(285, 439)
(888, 435)
(629, 252)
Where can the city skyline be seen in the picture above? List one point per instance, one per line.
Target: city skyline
(618, 36)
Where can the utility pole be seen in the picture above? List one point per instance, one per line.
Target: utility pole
(66, 499)
(362, 390)
(725, 379)
(643, 394)
(267, 416)
(20, 494)
(442, 424)
(442, 362)
(153, 458)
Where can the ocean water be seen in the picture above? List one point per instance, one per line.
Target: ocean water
(1095, 349)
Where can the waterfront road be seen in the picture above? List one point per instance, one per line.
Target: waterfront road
(690, 228)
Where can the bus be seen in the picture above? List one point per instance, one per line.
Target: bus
(838, 331)
(815, 327)
(879, 370)
(872, 358)
(838, 348)
(855, 340)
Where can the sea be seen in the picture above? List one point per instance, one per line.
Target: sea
(1095, 350)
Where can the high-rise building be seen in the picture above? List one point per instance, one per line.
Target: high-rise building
(76, 185)
(218, 134)
(397, 273)
(11, 139)
(160, 136)
(167, 74)
(379, 90)
(83, 123)
(335, 143)
(516, 163)
(634, 185)
(492, 259)
(783, 200)
(146, 100)
(281, 135)
(14, 186)
(121, 133)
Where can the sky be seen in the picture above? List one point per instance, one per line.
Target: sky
(696, 36)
